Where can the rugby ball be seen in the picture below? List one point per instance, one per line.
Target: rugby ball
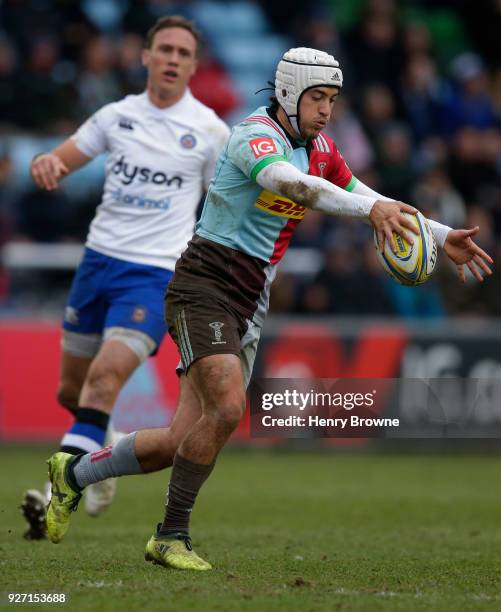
(412, 264)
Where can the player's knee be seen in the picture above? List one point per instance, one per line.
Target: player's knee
(230, 412)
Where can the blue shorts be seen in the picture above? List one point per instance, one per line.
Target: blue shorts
(109, 292)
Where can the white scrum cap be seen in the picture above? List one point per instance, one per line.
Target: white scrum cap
(299, 70)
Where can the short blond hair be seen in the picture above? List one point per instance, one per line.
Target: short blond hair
(174, 21)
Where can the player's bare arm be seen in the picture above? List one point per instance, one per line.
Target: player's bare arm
(48, 169)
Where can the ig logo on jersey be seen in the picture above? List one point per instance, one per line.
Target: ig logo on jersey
(263, 146)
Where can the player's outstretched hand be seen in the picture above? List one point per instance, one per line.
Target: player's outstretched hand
(47, 170)
(462, 250)
(387, 217)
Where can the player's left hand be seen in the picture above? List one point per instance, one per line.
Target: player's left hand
(462, 250)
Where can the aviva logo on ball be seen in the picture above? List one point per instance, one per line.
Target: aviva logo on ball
(412, 264)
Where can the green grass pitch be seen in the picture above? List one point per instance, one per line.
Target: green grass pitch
(285, 531)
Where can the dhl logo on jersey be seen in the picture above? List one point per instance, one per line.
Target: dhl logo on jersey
(278, 205)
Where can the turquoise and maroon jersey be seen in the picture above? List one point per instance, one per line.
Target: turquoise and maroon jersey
(242, 215)
(244, 230)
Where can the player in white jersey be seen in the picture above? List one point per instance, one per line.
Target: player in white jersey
(162, 149)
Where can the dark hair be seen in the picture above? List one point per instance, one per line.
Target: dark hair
(274, 103)
(174, 21)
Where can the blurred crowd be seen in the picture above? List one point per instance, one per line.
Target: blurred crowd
(418, 120)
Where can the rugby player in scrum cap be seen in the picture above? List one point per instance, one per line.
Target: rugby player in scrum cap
(218, 297)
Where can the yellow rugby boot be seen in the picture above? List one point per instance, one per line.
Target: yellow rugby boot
(64, 498)
(174, 551)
